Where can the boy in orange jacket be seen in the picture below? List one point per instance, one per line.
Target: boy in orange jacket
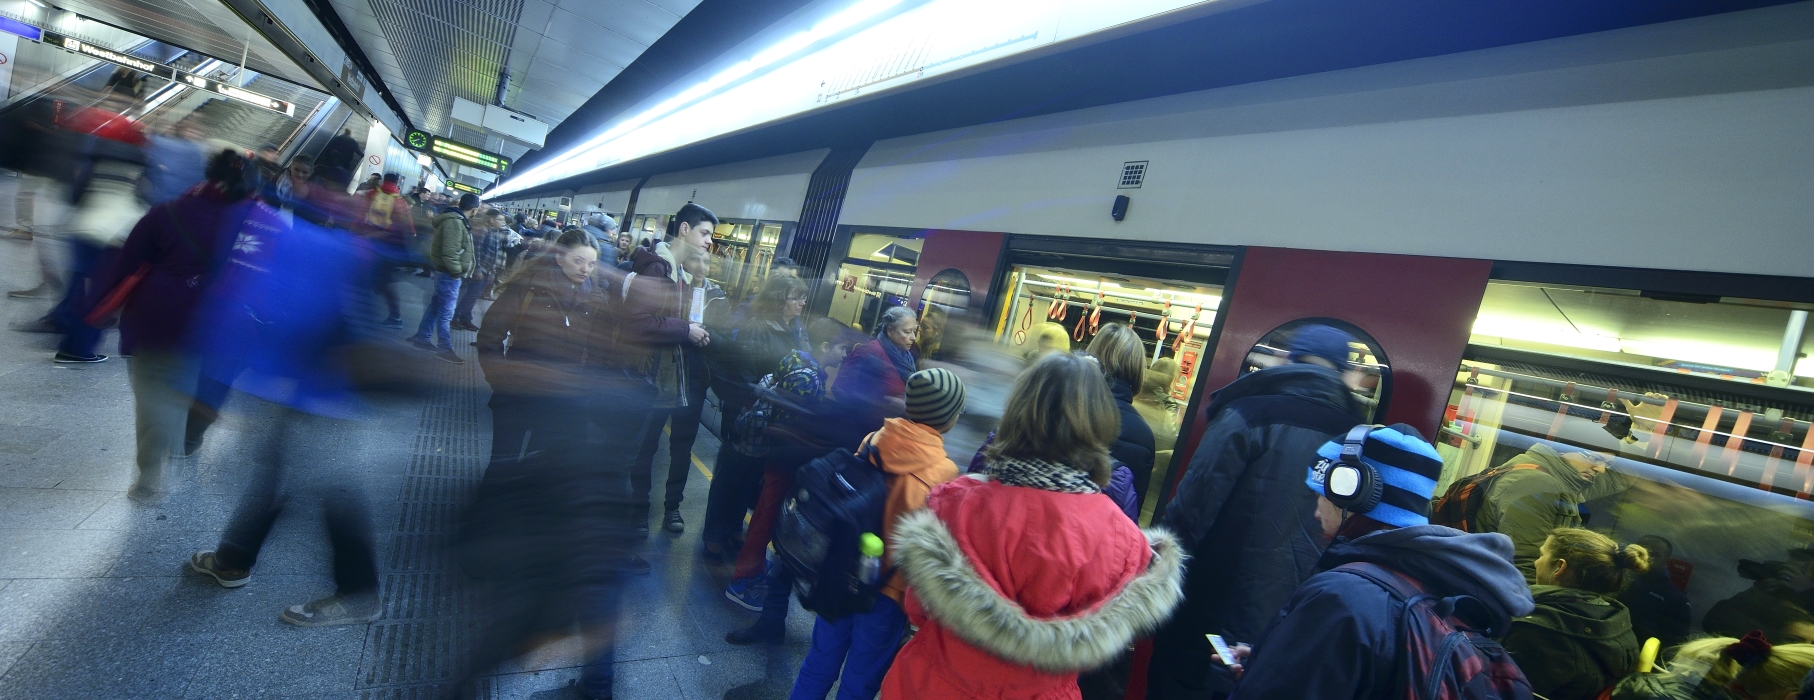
(911, 451)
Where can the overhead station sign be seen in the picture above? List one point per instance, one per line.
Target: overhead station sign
(457, 152)
(463, 187)
(70, 43)
(159, 70)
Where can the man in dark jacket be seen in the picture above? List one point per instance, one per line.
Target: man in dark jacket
(1658, 608)
(1242, 511)
(668, 303)
(339, 159)
(1339, 634)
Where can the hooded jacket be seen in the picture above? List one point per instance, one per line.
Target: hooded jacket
(1243, 513)
(913, 456)
(451, 251)
(1526, 504)
(1016, 589)
(1338, 635)
(1574, 645)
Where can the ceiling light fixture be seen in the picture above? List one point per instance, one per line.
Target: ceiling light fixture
(838, 59)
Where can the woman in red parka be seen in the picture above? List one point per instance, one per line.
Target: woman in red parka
(1025, 573)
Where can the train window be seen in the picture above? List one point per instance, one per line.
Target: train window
(1054, 310)
(947, 295)
(876, 274)
(1369, 376)
(1677, 424)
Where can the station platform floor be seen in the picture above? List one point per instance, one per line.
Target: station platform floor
(97, 601)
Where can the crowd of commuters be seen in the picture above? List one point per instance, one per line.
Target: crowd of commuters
(1301, 553)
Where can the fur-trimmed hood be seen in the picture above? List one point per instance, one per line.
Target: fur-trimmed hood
(950, 590)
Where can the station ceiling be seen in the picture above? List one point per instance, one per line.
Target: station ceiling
(555, 54)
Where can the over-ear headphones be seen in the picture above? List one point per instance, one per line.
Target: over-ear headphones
(1352, 484)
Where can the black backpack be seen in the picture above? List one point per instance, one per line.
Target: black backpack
(1444, 658)
(836, 499)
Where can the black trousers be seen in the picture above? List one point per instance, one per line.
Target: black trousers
(292, 460)
(683, 430)
(551, 526)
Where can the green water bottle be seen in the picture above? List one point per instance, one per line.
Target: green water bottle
(869, 566)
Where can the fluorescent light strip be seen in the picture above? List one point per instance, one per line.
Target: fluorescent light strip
(786, 79)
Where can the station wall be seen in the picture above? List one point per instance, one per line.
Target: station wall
(612, 198)
(1672, 146)
(770, 189)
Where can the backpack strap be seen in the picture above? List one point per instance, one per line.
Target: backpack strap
(1399, 584)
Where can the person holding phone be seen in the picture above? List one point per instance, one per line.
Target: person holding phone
(1342, 633)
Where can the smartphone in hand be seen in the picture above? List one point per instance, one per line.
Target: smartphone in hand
(1222, 650)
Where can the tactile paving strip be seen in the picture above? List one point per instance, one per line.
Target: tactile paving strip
(429, 616)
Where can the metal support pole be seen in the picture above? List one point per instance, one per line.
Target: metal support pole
(1791, 347)
(244, 53)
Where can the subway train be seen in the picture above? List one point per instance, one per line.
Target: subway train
(1599, 242)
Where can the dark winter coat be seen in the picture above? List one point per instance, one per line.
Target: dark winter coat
(759, 347)
(655, 308)
(1574, 645)
(1658, 608)
(1242, 509)
(868, 378)
(180, 244)
(1134, 446)
(551, 325)
(1337, 637)
(341, 152)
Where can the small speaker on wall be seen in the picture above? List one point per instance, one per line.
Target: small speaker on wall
(1119, 211)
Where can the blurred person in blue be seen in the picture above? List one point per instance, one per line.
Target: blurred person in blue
(1241, 509)
(602, 229)
(158, 281)
(277, 327)
(109, 159)
(178, 161)
(452, 255)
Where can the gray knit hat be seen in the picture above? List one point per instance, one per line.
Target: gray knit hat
(935, 397)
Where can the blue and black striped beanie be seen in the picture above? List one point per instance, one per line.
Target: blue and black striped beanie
(1408, 465)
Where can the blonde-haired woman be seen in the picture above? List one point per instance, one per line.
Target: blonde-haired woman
(1578, 641)
(1123, 358)
(1723, 668)
(1024, 574)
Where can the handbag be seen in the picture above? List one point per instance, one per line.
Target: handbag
(116, 297)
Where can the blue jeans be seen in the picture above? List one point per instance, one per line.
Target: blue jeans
(862, 646)
(470, 291)
(438, 315)
(79, 338)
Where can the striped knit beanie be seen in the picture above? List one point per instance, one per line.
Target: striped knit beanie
(1408, 465)
(935, 397)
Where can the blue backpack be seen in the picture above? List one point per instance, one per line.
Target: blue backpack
(836, 499)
